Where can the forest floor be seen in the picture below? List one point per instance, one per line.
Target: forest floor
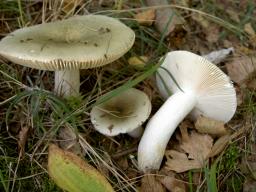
(31, 116)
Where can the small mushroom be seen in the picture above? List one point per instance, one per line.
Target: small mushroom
(124, 113)
(201, 88)
(66, 46)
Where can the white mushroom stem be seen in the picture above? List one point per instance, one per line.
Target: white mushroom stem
(136, 133)
(67, 83)
(160, 129)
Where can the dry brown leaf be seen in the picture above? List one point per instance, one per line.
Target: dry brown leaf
(172, 184)
(163, 17)
(184, 130)
(146, 17)
(149, 183)
(210, 126)
(241, 68)
(22, 139)
(219, 145)
(197, 147)
(179, 162)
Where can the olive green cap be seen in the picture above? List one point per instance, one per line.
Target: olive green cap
(79, 42)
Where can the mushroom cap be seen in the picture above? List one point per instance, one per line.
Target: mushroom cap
(216, 96)
(79, 42)
(122, 113)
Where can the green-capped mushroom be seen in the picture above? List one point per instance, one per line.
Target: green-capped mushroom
(124, 113)
(66, 46)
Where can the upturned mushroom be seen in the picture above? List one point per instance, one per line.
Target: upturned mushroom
(66, 46)
(199, 88)
(124, 113)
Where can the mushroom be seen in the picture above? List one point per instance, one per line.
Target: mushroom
(124, 113)
(66, 46)
(199, 88)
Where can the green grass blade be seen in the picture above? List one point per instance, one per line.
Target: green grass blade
(129, 84)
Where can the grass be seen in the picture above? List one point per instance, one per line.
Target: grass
(25, 101)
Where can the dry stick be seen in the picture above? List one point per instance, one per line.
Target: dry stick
(15, 171)
(123, 153)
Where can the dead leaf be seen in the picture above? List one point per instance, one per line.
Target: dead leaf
(149, 183)
(146, 17)
(210, 126)
(138, 62)
(241, 68)
(70, 5)
(219, 145)
(184, 129)
(172, 184)
(164, 17)
(179, 162)
(197, 147)
(22, 139)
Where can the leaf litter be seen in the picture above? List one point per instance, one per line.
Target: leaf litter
(239, 66)
(196, 150)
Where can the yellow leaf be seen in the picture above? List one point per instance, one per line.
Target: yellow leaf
(73, 174)
(138, 62)
(70, 5)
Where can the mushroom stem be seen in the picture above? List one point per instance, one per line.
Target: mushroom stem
(67, 83)
(136, 133)
(160, 129)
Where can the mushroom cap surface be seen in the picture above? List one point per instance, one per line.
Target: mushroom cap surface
(122, 113)
(79, 42)
(216, 96)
